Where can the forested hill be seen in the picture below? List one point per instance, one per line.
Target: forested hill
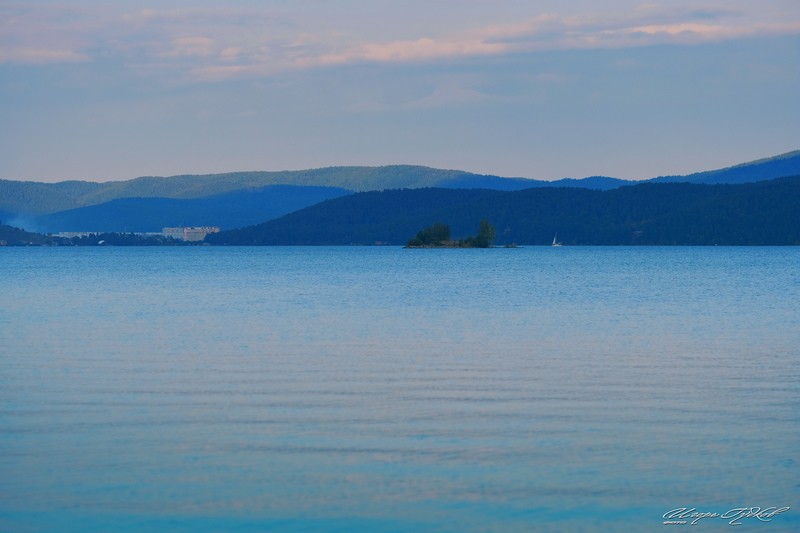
(229, 210)
(11, 236)
(25, 199)
(32, 198)
(762, 213)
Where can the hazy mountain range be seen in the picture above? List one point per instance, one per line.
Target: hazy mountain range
(228, 210)
(240, 199)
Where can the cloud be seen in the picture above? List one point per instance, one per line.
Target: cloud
(216, 43)
(33, 36)
(544, 32)
(224, 72)
(687, 33)
(424, 49)
(191, 47)
(40, 56)
(644, 26)
(448, 96)
(230, 53)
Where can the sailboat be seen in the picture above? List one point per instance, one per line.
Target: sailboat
(555, 240)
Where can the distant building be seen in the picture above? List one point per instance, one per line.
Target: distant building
(190, 233)
(73, 234)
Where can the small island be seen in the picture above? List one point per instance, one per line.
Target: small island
(438, 236)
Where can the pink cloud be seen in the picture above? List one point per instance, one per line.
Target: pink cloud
(40, 56)
(424, 49)
(191, 47)
(217, 43)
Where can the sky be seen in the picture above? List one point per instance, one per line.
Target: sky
(98, 90)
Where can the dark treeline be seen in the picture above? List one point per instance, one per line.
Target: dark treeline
(121, 239)
(762, 213)
(11, 236)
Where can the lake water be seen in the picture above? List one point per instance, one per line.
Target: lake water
(388, 390)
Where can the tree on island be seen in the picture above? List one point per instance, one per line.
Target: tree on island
(485, 237)
(438, 236)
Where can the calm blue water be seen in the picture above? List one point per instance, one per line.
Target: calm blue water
(382, 389)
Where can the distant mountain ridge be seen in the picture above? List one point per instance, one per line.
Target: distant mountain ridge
(787, 164)
(143, 203)
(146, 201)
(33, 198)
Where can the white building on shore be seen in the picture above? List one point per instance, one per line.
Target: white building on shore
(189, 233)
